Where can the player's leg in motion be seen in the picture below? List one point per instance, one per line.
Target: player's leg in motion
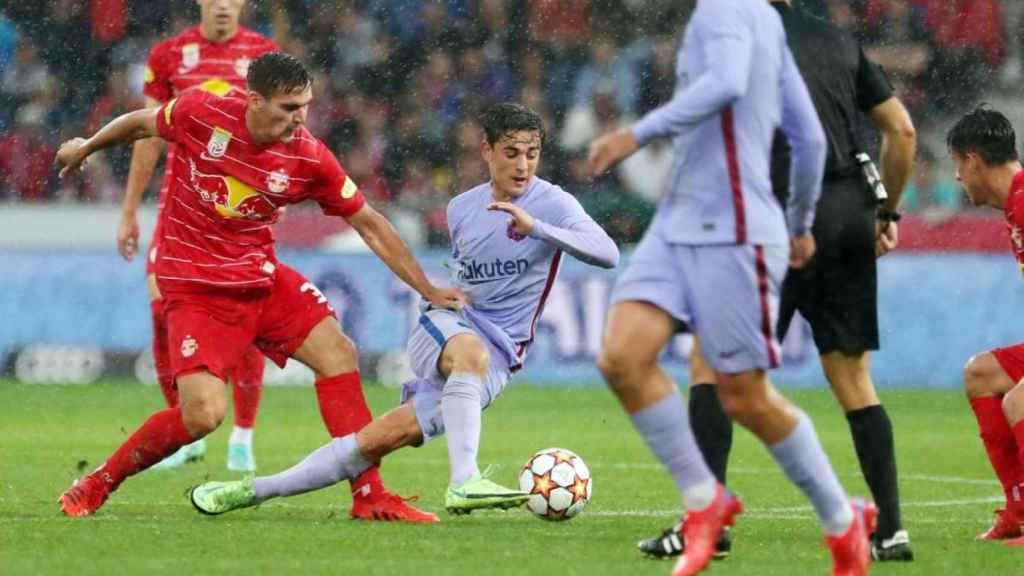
(634, 335)
(988, 384)
(247, 386)
(332, 357)
(200, 411)
(464, 363)
(713, 432)
(849, 376)
(165, 376)
(343, 458)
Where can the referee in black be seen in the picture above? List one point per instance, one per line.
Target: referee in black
(856, 222)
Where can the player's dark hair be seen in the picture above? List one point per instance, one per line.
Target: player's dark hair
(503, 119)
(277, 73)
(987, 133)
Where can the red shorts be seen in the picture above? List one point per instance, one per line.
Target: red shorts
(1011, 359)
(212, 330)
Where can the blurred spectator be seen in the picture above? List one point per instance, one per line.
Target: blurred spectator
(26, 77)
(25, 157)
(605, 67)
(643, 174)
(930, 192)
(353, 46)
(897, 40)
(657, 75)
(624, 216)
(592, 118)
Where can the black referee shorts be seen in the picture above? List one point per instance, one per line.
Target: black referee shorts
(837, 291)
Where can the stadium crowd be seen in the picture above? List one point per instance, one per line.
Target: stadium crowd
(400, 82)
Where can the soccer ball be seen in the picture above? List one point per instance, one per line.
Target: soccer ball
(558, 482)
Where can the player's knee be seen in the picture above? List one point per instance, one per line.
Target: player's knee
(467, 353)
(340, 356)
(978, 375)
(616, 363)
(202, 417)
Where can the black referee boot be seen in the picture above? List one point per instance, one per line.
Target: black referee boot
(670, 544)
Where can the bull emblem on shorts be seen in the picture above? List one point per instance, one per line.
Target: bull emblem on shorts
(189, 346)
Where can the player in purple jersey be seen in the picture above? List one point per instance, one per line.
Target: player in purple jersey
(713, 260)
(508, 236)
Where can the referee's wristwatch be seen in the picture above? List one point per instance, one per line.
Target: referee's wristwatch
(887, 216)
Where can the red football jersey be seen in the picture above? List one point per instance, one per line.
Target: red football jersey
(1014, 210)
(226, 191)
(189, 60)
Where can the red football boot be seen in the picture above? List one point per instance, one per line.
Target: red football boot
(85, 496)
(388, 507)
(702, 529)
(1006, 527)
(851, 552)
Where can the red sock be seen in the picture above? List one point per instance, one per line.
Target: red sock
(162, 354)
(246, 387)
(999, 442)
(344, 411)
(155, 440)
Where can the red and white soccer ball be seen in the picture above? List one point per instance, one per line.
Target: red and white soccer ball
(558, 482)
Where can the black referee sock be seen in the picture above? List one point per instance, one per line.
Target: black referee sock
(711, 427)
(872, 437)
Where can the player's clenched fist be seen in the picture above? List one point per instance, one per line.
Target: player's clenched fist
(71, 155)
(522, 222)
(801, 250)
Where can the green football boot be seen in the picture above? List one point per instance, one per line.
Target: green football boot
(479, 493)
(219, 497)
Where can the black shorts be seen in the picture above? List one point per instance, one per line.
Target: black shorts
(837, 291)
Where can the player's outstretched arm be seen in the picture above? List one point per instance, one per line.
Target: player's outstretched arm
(585, 240)
(125, 128)
(145, 156)
(382, 238)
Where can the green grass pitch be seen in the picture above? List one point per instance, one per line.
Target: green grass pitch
(148, 528)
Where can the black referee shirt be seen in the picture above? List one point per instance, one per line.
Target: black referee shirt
(843, 84)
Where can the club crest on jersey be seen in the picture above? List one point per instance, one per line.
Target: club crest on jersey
(511, 232)
(277, 181)
(190, 56)
(242, 66)
(189, 346)
(218, 144)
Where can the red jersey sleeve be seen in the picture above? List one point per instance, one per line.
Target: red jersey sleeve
(157, 81)
(175, 118)
(336, 193)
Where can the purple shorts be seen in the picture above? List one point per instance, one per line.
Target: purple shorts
(727, 294)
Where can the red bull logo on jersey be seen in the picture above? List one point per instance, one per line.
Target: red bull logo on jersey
(231, 197)
(216, 86)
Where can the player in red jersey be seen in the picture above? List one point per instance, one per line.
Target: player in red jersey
(213, 56)
(983, 147)
(238, 162)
